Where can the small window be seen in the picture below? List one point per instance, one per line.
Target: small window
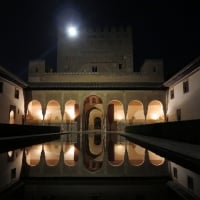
(120, 66)
(185, 87)
(1, 87)
(16, 93)
(190, 182)
(172, 94)
(175, 172)
(154, 69)
(94, 68)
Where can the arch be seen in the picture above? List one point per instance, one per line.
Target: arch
(97, 123)
(71, 115)
(34, 112)
(33, 154)
(71, 110)
(135, 112)
(136, 154)
(155, 159)
(115, 115)
(52, 152)
(92, 110)
(155, 112)
(53, 112)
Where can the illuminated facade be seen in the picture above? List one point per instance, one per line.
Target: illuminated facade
(95, 86)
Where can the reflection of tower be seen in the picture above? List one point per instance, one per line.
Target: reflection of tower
(110, 115)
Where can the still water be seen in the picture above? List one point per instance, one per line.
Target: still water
(91, 165)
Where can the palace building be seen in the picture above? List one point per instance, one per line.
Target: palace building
(95, 89)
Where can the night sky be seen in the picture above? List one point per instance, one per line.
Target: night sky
(164, 29)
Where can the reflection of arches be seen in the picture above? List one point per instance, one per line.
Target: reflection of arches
(155, 112)
(70, 154)
(135, 113)
(92, 119)
(136, 154)
(155, 159)
(33, 154)
(52, 152)
(116, 153)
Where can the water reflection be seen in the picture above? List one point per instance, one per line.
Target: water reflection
(92, 149)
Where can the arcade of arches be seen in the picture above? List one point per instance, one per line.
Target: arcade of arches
(94, 114)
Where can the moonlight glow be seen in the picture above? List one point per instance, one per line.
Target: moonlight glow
(72, 31)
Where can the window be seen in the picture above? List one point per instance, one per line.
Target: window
(175, 173)
(190, 182)
(120, 66)
(172, 94)
(94, 68)
(16, 93)
(185, 87)
(1, 87)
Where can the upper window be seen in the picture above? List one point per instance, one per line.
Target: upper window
(94, 68)
(185, 86)
(16, 93)
(1, 87)
(172, 93)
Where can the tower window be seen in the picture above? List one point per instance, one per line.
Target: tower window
(94, 68)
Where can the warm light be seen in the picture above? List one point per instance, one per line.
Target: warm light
(39, 115)
(33, 154)
(70, 112)
(72, 31)
(70, 153)
(119, 150)
(10, 153)
(155, 116)
(119, 115)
